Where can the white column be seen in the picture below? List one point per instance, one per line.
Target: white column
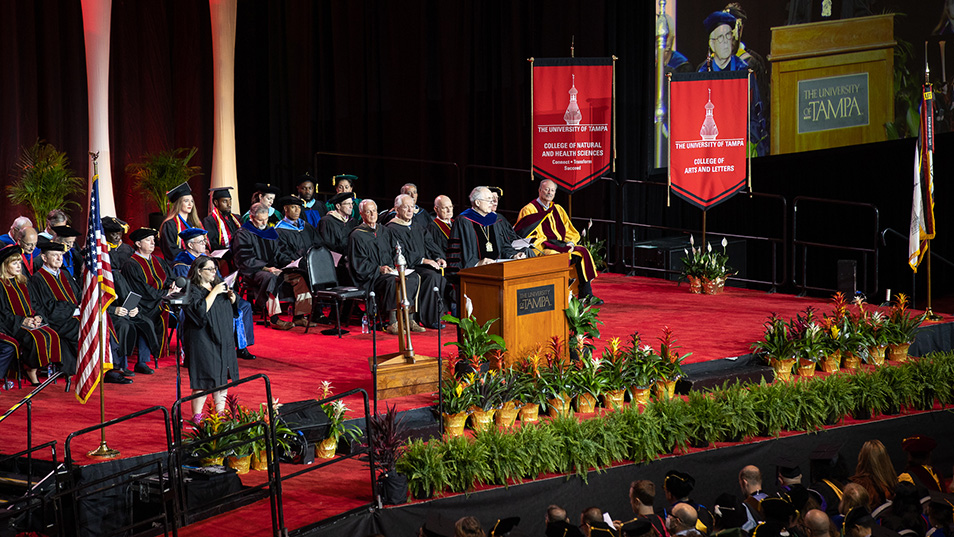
(96, 17)
(223, 82)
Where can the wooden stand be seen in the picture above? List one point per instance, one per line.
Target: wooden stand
(528, 297)
(404, 372)
(820, 71)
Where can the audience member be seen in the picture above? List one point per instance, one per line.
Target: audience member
(919, 471)
(854, 495)
(420, 254)
(750, 482)
(642, 497)
(678, 485)
(728, 514)
(468, 526)
(940, 511)
(817, 524)
(875, 473)
(828, 474)
(557, 524)
(683, 521)
(638, 527)
(593, 525)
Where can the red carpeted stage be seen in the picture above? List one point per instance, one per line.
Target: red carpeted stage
(710, 327)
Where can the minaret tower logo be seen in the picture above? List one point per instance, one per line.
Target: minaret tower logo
(709, 130)
(573, 116)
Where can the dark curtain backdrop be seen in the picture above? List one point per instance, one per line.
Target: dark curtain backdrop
(428, 80)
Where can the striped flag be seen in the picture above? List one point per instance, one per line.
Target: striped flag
(922, 204)
(98, 292)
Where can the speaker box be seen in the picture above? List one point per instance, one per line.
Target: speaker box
(306, 417)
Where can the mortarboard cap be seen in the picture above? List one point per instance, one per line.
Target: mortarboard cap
(777, 509)
(942, 500)
(65, 231)
(179, 191)
(636, 528)
(7, 251)
(504, 526)
(768, 529)
(142, 233)
(265, 188)
(730, 511)
(111, 224)
(601, 529)
(679, 484)
(343, 176)
(289, 200)
(787, 467)
(220, 192)
(303, 178)
(858, 516)
(919, 444)
(562, 529)
(496, 190)
(338, 198)
(191, 233)
(51, 246)
(736, 11)
(825, 453)
(436, 525)
(716, 19)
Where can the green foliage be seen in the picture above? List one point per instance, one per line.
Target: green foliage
(615, 367)
(835, 392)
(667, 365)
(476, 339)
(900, 389)
(868, 392)
(808, 407)
(160, 172)
(597, 247)
(586, 376)
(423, 464)
(777, 342)
(542, 447)
(901, 326)
(907, 94)
(487, 389)
(456, 396)
(672, 415)
(640, 363)
(507, 455)
(774, 412)
(706, 423)
(811, 342)
(467, 463)
(740, 417)
(44, 181)
(583, 323)
(580, 451)
(706, 264)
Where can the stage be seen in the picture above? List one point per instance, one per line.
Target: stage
(712, 328)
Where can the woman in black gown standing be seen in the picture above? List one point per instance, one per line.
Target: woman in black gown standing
(207, 333)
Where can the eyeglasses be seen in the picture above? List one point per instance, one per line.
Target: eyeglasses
(207, 269)
(724, 38)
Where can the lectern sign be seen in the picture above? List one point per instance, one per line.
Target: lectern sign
(834, 102)
(535, 299)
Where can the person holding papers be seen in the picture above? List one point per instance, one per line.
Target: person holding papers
(295, 237)
(207, 326)
(129, 327)
(195, 243)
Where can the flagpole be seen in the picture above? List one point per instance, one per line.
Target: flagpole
(103, 451)
(929, 313)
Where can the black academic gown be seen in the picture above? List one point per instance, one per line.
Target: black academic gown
(128, 329)
(169, 239)
(368, 250)
(119, 255)
(61, 315)
(295, 240)
(215, 237)
(439, 236)
(11, 326)
(254, 249)
(152, 289)
(334, 233)
(467, 244)
(414, 247)
(208, 340)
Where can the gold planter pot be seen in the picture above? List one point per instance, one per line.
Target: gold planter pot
(713, 287)
(898, 353)
(640, 394)
(831, 363)
(454, 424)
(585, 403)
(240, 464)
(212, 461)
(783, 368)
(260, 463)
(557, 407)
(614, 399)
(695, 285)
(850, 361)
(530, 413)
(506, 415)
(806, 368)
(480, 420)
(876, 355)
(326, 448)
(666, 388)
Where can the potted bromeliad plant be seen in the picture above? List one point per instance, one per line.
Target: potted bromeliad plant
(588, 381)
(456, 400)
(901, 327)
(614, 372)
(640, 369)
(528, 391)
(778, 346)
(556, 380)
(512, 381)
(487, 389)
(811, 342)
(335, 410)
(667, 365)
(205, 426)
(582, 320)
(706, 269)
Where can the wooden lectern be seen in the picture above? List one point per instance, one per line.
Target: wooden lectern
(528, 297)
(832, 83)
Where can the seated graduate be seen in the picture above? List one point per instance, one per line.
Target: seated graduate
(67, 236)
(371, 256)
(312, 209)
(344, 184)
(207, 339)
(21, 327)
(478, 236)
(550, 230)
(55, 296)
(255, 251)
(420, 253)
(119, 251)
(182, 215)
(195, 246)
(28, 240)
(265, 194)
(129, 328)
(151, 277)
(221, 223)
(440, 227)
(295, 238)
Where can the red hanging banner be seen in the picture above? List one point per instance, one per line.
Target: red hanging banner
(708, 122)
(572, 120)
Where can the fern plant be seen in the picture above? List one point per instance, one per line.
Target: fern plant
(44, 181)
(423, 464)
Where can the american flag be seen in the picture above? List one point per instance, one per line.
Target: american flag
(98, 292)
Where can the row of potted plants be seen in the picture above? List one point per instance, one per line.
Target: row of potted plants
(732, 412)
(844, 337)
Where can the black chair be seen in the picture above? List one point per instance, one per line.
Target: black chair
(323, 282)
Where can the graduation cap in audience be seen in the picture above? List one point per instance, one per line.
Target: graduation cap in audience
(303, 178)
(787, 467)
(768, 529)
(941, 501)
(679, 484)
(601, 529)
(777, 509)
(7, 251)
(265, 188)
(496, 190)
(343, 176)
(563, 529)
(338, 198)
(52, 247)
(65, 231)
(178, 192)
(191, 233)
(289, 200)
(919, 445)
(636, 528)
(858, 516)
(717, 19)
(436, 525)
(504, 526)
(142, 233)
(827, 462)
(220, 192)
(111, 224)
(729, 511)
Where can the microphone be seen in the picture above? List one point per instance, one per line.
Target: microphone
(180, 298)
(181, 282)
